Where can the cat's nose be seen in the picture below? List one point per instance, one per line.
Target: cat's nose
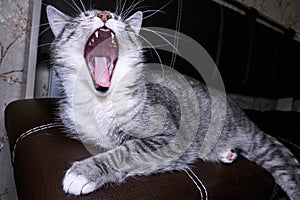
(104, 16)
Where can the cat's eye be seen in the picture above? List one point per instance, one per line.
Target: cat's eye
(86, 14)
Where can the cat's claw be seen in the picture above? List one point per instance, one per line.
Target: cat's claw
(77, 184)
(229, 155)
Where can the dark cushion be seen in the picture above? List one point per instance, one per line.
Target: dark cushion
(253, 59)
(43, 156)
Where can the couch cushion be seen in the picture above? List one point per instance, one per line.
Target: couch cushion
(44, 155)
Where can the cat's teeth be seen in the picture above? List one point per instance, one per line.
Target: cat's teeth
(114, 43)
(104, 29)
(113, 40)
(97, 34)
(110, 69)
(92, 40)
(90, 43)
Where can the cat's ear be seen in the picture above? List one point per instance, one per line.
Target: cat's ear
(57, 20)
(135, 21)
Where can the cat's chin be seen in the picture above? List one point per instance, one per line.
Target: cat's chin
(102, 89)
(102, 92)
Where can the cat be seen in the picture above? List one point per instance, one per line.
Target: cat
(99, 58)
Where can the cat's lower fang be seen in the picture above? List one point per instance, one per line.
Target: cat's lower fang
(111, 69)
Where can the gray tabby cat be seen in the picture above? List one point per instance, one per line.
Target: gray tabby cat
(99, 57)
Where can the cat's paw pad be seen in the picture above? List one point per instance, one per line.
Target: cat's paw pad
(77, 184)
(229, 155)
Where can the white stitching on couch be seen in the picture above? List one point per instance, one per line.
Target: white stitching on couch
(205, 190)
(201, 195)
(31, 131)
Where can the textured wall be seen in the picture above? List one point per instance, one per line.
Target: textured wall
(286, 12)
(13, 37)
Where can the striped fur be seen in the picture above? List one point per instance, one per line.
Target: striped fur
(132, 148)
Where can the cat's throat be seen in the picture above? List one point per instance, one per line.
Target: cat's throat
(101, 54)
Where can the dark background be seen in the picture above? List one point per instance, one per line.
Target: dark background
(254, 59)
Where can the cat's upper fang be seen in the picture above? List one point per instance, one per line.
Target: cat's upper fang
(104, 32)
(105, 29)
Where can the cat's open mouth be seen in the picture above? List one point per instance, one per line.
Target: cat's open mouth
(101, 54)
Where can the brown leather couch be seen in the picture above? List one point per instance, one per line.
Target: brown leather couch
(42, 154)
(253, 59)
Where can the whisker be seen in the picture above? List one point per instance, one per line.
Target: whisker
(123, 7)
(66, 1)
(44, 24)
(133, 5)
(118, 6)
(146, 11)
(48, 24)
(154, 49)
(82, 5)
(159, 9)
(43, 45)
(92, 4)
(45, 4)
(44, 31)
(72, 6)
(78, 8)
(41, 25)
(140, 7)
(176, 50)
(162, 33)
(130, 8)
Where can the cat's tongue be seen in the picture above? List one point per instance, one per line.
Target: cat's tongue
(101, 73)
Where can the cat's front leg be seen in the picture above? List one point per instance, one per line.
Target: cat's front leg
(88, 175)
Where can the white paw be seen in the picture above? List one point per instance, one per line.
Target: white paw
(228, 156)
(77, 184)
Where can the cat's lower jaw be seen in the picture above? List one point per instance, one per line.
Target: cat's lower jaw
(87, 176)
